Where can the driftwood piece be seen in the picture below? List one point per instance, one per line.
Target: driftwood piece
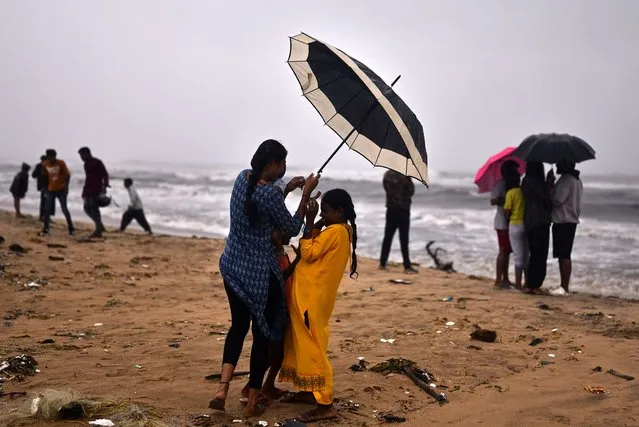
(420, 377)
(620, 375)
(12, 393)
(439, 265)
(218, 376)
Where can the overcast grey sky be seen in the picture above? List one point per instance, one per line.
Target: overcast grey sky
(206, 81)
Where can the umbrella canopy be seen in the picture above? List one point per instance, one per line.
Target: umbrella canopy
(490, 173)
(552, 147)
(363, 110)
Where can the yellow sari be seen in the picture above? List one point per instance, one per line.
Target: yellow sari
(315, 283)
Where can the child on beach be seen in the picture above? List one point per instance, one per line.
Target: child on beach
(19, 187)
(324, 250)
(135, 209)
(276, 349)
(515, 209)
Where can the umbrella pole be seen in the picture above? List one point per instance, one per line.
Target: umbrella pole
(352, 131)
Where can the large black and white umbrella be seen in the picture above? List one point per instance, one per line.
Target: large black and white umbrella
(363, 110)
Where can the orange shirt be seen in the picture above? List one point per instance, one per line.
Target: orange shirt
(57, 174)
(284, 262)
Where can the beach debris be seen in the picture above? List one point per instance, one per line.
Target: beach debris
(237, 421)
(389, 340)
(32, 285)
(484, 335)
(47, 341)
(597, 369)
(450, 323)
(599, 390)
(360, 365)
(102, 422)
(551, 355)
(18, 367)
(369, 289)
(400, 282)
(212, 377)
(447, 299)
(56, 246)
(554, 330)
(12, 393)
(536, 341)
(174, 345)
(422, 378)
(136, 366)
(263, 423)
(56, 258)
(620, 375)
(439, 265)
(473, 347)
(390, 418)
(98, 324)
(17, 249)
(546, 362)
(544, 307)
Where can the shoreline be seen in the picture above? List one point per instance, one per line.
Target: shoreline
(114, 308)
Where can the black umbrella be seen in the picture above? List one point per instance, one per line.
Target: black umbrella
(363, 110)
(552, 147)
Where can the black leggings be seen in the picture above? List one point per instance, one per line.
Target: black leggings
(240, 321)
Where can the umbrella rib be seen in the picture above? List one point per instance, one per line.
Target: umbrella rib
(381, 147)
(343, 106)
(324, 85)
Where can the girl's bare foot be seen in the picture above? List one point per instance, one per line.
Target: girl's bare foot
(256, 405)
(322, 412)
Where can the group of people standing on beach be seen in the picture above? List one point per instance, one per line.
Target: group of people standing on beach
(53, 180)
(525, 211)
(286, 304)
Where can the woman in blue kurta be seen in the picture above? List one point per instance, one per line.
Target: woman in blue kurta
(251, 273)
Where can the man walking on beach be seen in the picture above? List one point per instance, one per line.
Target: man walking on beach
(399, 193)
(19, 188)
(57, 176)
(566, 209)
(497, 198)
(95, 185)
(135, 210)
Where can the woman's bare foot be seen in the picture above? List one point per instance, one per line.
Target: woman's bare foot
(273, 392)
(322, 412)
(256, 405)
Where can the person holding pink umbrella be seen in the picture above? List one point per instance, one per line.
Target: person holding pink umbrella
(489, 178)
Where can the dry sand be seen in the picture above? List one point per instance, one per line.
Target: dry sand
(148, 292)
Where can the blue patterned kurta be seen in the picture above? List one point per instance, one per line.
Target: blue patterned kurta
(249, 256)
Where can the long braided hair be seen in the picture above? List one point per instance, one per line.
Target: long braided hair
(268, 151)
(339, 198)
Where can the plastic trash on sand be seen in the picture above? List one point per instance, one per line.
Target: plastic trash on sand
(263, 423)
(237, 421)
(35, 405)
(389, 341)
(450, 323)
(102, 422)
(596, 390)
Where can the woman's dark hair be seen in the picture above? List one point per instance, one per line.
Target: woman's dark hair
(511, 177)
(339, 198)
(535, 170)
(128, 182)
(268, 151)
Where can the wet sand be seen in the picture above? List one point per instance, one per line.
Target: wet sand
(113, 307)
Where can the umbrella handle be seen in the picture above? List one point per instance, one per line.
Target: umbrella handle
(370, 111)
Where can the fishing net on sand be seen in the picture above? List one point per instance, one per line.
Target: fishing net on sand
(53, 405)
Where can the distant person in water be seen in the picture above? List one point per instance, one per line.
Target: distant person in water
(19, 187)
(135, 209)
(58, 178)
(497, 199)
(41, 180)
(566, 210)
(399, 192)
(95, 186)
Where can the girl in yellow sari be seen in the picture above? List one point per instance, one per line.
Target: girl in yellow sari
(324, 250)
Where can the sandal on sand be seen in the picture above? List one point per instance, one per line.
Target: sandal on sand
(318, 414)
(217, 404)
(299, 397)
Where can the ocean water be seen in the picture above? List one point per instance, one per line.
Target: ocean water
(188, 200)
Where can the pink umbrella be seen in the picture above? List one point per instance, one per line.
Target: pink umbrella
(490, 173)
